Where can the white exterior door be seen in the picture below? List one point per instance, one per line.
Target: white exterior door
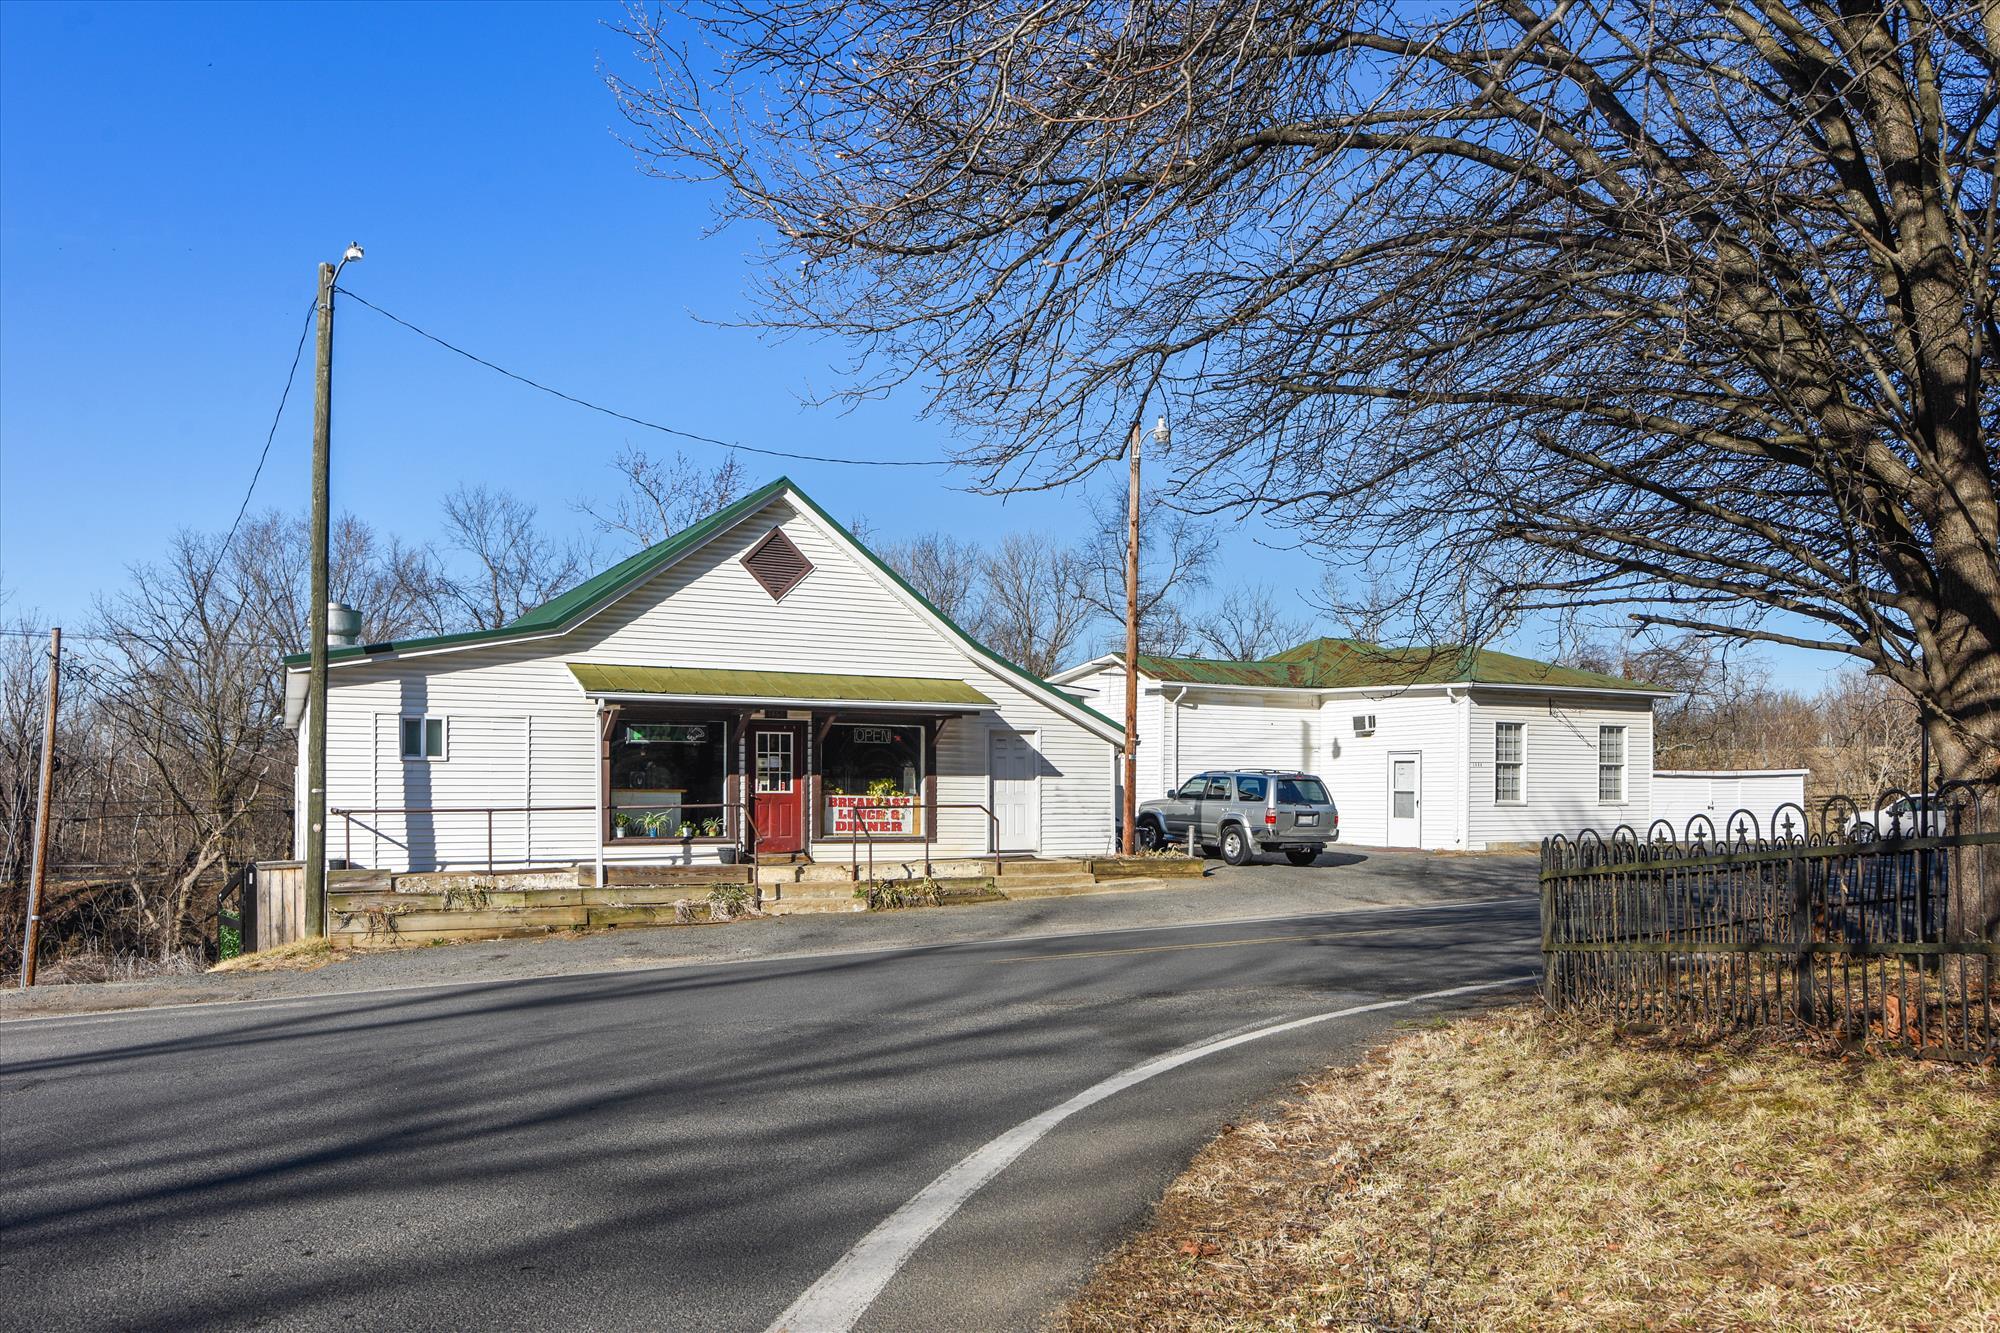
(1406, 798)
(1016, 767)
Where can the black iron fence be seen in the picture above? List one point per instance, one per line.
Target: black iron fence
(1878, 925)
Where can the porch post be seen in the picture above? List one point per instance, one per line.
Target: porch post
(607, 718)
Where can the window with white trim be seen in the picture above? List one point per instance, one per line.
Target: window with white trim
(1510, 762)
(423, 737)
(1611, 765)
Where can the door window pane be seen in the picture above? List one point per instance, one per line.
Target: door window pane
(1403, 789)
(1218, 789)
(1192, 789)
(774, 762)
(1251, 789)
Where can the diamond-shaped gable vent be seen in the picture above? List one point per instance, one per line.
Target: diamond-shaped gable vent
(777, 564)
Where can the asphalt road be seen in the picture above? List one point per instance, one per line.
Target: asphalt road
(679, 1147)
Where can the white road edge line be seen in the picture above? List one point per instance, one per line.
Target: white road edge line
(845, 1291)
(672, 964)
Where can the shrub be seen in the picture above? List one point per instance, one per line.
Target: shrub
(888, 894)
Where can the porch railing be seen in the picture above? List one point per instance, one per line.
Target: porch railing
(745, 838)
(861, 834)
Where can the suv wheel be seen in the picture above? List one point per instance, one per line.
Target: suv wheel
(1300, 856)
(1235, 845)
(1147, 836)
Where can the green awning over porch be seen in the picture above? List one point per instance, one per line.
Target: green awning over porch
(766, 687)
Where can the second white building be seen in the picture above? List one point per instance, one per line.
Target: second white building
(1433, 748)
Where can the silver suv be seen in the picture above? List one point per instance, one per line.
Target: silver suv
(1243, 812)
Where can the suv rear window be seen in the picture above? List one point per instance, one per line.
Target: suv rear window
(1301, 791)
(1251, 789)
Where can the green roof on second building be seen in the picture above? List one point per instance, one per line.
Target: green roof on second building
(1333, 664)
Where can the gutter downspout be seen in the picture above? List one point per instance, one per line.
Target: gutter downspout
(1175, 784)
(1462, 702)
(597, 784)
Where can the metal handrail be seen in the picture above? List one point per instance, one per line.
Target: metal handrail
(854, 836)
(740, 808)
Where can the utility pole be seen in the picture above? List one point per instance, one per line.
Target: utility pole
(316, 699)
(32, 936)
(1130, 802)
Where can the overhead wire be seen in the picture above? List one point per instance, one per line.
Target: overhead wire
(676, 431)
(291, 376)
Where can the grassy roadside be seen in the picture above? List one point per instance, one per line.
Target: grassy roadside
(1513, 1171)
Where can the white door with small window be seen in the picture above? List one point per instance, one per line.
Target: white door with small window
(1406, 799)
(1016, 767)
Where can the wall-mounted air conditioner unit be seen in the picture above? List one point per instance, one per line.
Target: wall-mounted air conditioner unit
(1364, 724)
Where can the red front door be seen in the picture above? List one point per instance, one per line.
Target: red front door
(777, 802)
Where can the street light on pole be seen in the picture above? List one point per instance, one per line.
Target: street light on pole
(329, 275)
(1130, 801)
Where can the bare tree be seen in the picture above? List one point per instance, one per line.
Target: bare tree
(197, 704)
(499, 563)
(390, 582)
(1034, 607)
(946, 571)
(1176, 555)
(1682, 306)
(662, 496)
(1246, 625)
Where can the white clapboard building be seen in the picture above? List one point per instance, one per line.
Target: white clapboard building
(1433, 748)
(758, 679)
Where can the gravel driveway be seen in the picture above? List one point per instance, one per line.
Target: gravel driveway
(1340, 880)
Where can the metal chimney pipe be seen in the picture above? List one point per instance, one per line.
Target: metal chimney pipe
(343, 625)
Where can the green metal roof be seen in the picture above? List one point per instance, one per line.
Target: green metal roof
(553, 615)
(1332, 664)
(711, 683)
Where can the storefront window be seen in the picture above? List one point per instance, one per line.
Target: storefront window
(667, 779)
(873, 779)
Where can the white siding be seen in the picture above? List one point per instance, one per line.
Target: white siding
(1356, 768)
(529, 734)
(1224, 729)
(1561, 779)
(1679, 797)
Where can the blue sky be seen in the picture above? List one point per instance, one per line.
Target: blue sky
(171, 175)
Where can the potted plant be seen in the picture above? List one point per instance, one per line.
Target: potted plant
(711, 828)
(621, 826)
(654, 822)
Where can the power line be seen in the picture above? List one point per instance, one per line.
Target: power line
(270, 435)
(640, 421)
(127, 638)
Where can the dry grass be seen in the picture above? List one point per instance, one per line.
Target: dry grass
(307, 955)
(1513, 1171)
(91, 964)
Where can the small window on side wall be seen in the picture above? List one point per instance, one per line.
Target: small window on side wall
(423, 738)
(1510, 762)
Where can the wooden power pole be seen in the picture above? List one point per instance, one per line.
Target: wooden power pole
(1130, 800)
(31, 938)
(316, 699)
